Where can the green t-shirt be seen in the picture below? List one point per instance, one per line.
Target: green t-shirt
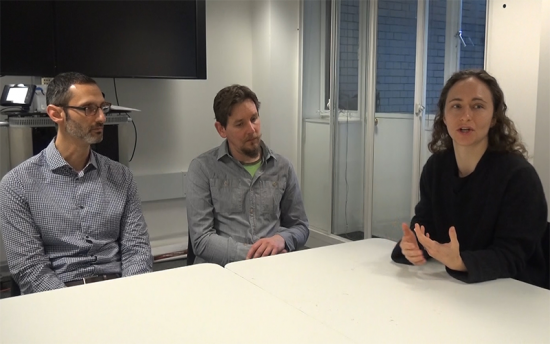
(253, 167)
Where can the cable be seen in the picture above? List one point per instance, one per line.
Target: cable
(133, 123)
(116, 93)
(135, 136)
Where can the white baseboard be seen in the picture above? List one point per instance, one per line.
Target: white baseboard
(169, 244)
(162, 186)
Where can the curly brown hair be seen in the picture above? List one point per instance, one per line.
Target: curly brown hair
(503, 136)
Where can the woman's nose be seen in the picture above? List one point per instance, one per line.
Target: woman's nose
(466, 115)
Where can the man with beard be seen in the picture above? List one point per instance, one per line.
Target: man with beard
(243, 200)
(68, 215)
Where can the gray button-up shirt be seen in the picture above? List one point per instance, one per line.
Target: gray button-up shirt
(59, 225)
(228, 210)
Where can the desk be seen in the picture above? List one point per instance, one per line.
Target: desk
(356, 289)
(197, 304)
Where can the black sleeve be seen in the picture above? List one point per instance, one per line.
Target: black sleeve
(519, 228)
(422, 211)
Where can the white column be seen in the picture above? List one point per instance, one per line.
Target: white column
(542, 131)
(513, 58)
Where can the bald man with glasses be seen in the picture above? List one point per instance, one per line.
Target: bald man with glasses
(69, 215)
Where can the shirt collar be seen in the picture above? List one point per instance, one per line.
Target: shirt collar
(55, 160)
(223, 150)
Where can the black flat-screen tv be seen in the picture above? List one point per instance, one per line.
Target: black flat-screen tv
(121, 39)
(27, 38)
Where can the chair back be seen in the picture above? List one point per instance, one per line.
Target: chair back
(190, 253)
(546, 253)
(14, 288)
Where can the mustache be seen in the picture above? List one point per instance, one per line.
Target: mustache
(254, 137)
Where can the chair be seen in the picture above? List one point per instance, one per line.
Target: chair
(546, 253)
(14, 288)
(190, 253)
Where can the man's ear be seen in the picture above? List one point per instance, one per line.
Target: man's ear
(56, 113)
(220, 129)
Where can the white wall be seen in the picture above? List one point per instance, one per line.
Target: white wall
(275, 44)
(542, 131)
(512, 57)
(517, 55)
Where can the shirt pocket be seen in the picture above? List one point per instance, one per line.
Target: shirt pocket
(227, 196)
(271, 193)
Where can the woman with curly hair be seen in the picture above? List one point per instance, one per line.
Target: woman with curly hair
(482, 211)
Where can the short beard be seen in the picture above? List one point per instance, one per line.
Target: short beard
(75, 129)
(252, 152)
(255, 150)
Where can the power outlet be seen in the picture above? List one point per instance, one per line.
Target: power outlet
(45, 81)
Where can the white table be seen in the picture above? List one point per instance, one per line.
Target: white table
(356, 289)
(198, 304)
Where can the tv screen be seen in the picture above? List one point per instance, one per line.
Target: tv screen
(27, 38)
(124, 39)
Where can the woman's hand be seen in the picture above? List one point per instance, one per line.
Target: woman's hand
(409, 246)
(448, 253)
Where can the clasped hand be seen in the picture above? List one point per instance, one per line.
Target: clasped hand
(448, 253)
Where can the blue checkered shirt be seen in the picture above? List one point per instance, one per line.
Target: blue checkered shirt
(59, 225)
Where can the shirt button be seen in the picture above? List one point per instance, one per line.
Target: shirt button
(251, 210)
(81, 206)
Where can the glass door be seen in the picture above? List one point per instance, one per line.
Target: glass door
(420, 44)
(347, 120)
(333, 162)
(372, 72)
(396, 119)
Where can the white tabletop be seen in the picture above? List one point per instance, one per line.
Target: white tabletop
(198, 304)
(357, 290)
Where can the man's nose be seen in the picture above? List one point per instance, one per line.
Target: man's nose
(101, 117)
(252, 127)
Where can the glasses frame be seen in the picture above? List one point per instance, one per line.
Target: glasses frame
(105, 107)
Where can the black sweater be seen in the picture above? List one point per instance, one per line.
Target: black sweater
(499, 212)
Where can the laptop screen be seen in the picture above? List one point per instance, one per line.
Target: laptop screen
(17, 95)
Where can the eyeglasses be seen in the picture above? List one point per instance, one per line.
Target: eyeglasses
(91, 110)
